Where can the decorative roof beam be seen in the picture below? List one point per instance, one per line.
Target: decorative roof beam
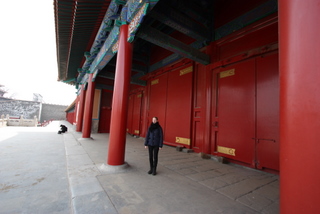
(140, 58)
(135, 67)
(105, 44)
(138, 82)
(259, 12)
(191, 10)
(136, 78)
(103, 86)
(181, 22)
(163, 40)
(109, 75)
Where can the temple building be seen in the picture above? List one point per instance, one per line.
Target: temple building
(228, 78)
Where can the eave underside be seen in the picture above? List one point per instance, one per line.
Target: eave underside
(76, 23)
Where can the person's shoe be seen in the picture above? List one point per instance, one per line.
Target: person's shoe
(154, 171)
(150, 171)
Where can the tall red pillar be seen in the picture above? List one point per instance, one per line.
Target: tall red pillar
(87, 116)
(81, 109)
(117, 137)
(74, 118)
(299, 45)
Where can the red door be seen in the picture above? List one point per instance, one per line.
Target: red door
(158, 99)
(171, 101)
(136, 113)
(245, 123)
(130, 113)
(178, 115)
(267, 140)
(105, 113)
(235, 120)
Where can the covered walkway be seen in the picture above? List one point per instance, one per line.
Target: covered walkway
(185, 182)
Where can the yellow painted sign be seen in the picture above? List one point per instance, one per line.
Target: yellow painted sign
(156, 81)
(227, 151)
(227, 73)
(182, 140)
(186, 70)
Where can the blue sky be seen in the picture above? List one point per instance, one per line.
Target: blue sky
(28, 52)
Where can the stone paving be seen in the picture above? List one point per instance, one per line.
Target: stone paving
(189, 179)
(43, 172)
(33, 175)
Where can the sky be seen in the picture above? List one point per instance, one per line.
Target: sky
(28, 52)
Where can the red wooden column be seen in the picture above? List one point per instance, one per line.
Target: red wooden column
(81, 109)
(87, 117)
(74, 118)
(299, 106)
(117, 138)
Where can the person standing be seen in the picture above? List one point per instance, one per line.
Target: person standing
(154, 142)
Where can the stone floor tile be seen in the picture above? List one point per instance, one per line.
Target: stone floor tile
(256, 201)
(244, 187)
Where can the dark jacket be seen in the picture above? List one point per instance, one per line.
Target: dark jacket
(154, 137)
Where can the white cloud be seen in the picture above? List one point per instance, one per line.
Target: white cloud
(28, 46)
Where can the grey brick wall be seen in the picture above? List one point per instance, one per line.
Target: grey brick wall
(17, 108)
(51, 111)
(29, 109)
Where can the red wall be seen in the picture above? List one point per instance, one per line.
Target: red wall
(199, 115)
(158, 98)
(134, 122)
(70, 117)
(105, 111)
(245, 114)
(170, 99)
(239, 112)
(225, 13)
(244, 107)
(178, 106)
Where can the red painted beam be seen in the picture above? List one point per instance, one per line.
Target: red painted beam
(117, 138)
(299, 106)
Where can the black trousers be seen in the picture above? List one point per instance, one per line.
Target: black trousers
(153, 156)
